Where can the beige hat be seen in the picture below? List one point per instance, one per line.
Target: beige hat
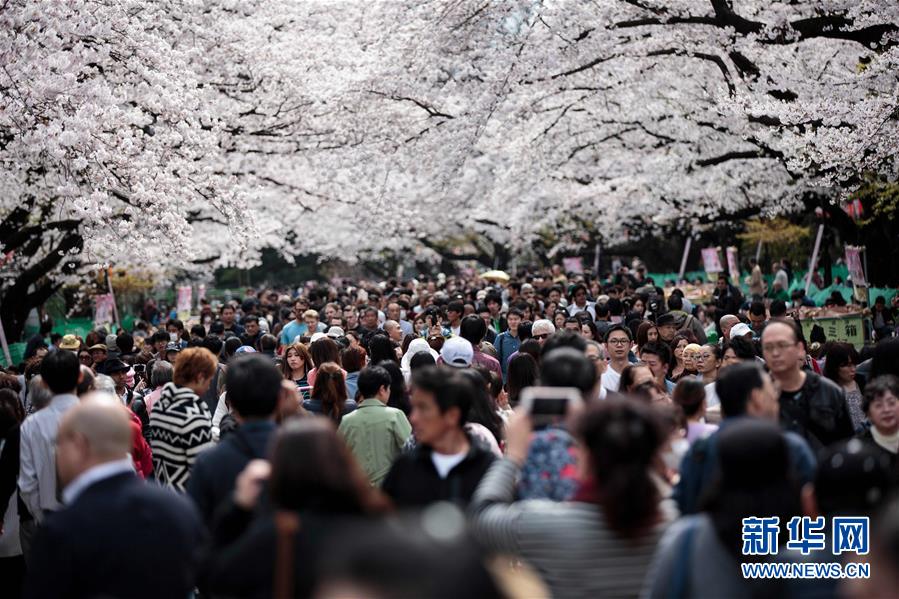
(69, 342)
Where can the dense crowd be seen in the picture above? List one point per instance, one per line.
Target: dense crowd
(383, 439)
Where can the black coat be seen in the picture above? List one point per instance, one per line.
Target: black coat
(817, 412)
(120, 538)
(413, 480)
(215, 471)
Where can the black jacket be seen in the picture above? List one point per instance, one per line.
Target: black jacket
(413, 480)
(120, 538)
(215, 471)
(817, 412)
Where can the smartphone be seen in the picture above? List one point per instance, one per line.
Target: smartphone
(549, 405)
(140, 368)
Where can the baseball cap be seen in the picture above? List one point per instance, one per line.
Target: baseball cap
(172, 347)
(457, 352)
(245, 349)
(739, 330)
(335, 332)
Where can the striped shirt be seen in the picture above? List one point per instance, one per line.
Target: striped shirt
(180, 429)
(567, 543)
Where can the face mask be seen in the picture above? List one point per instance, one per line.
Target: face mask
(173, 336)
(402, 315)
(675, 454)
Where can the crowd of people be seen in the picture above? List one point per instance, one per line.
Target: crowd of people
(382, 439)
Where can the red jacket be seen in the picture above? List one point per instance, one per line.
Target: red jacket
(140, 450)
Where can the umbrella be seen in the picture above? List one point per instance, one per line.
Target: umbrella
(496, 275)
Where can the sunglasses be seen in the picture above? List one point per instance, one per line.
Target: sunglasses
(540, 336)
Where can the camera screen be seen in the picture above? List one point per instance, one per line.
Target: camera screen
(549, 407)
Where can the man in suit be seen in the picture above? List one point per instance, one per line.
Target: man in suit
(117, 536)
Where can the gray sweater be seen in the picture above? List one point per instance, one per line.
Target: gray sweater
(567, 543)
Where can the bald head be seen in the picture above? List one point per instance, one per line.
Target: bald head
(95, 431)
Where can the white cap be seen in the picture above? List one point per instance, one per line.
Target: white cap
(457, 352)
(335, 332)
(316, 337)
(739, 330)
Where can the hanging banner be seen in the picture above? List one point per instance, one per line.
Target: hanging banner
(103, 309)
(733, 265)
(201, 293)
(184, 301)
(575, 265)
(854, 264)
(711, 261)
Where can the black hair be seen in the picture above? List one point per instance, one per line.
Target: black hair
(757, 309)
(380, 348)
(688, 395)
(602, 310)
(160, 335)
(455, 306)
(174, 322)
(742, 347)
(675, 302)
(622, 328)
(198, 330)
(213, 343)
(655, 348)
(515, 312)
(473, 329)
(531, 347)
(778, 309)
(837, 356)
(852, 479)
(60, 371)
(886, 358)
(568, 367)
(521, 373)
(371, 379)
(420, 360)
(398, 398)
(886, 383)
(623, 438)
(563, 339)
(449, 388)
(483, 408)
(253, 384)
(250, 318)
(735, 385)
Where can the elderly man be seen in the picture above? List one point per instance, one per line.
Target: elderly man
(393, 330)
(726, 323)
(88, 549)
(542, 329)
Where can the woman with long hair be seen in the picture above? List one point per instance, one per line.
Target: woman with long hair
(483, 422)
(689, 397)
(647, 332)
(616, 517)
(381, 348)
(323, 350)
(329, 395)
(315, 490)
(399, 395)
(296, 366)
(677, 370)
(839, 366)
(522, 373)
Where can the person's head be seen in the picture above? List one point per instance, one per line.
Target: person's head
(708, 359)
(393, 311)
(85, 357)
(457, 352)
(61, 371)
(569, 367)
(421, 360)
(95, 431)
(161, 373)
(514, 318)
(327, 479)
(622, 440)
(885, 359)
(520, 374)
(726, 323)
(667, 327)
(564, 339)
(781, 348)
(324, 350)
(393, 330)
(310, 319)
(757, 316)
(881, 403)
(579, 295)
(572, 324)
(381, 348)
(482, 409)
(117, 371)
(635, 375)
(618, 342)
(559, 318)
(657, 357)
(330, 389)
(160, 339)
(689, 355)
(596, 353)
(353, 359)
(251, 325)
(746, 389)
(647, 332)
(99, 352)
(840, 362)
(454, 311)
(87, 382)
(374, 382)
(194, 369)
(254, 385)
(689, 396)
(370, 318)
(738, 349)
(721, 283)
(296, 361)
(542, 329)
(441, 399)
(473, 329)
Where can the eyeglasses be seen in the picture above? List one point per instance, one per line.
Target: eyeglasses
(618, 341)
(540, 336)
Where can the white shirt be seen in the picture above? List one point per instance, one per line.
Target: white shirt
(711, 397)
(444, 462)
(37, 458)
(588, 307)
(94, 475)
(611, 380)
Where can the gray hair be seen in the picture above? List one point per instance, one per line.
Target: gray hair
(599, 348)
(104, 384)
(161, 374)
(39, 395)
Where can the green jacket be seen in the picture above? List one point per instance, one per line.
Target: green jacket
(375, 434)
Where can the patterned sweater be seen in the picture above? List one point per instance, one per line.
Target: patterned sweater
(180, 428)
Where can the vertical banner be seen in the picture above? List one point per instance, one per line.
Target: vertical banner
(184, 301)
(854, 264)
(683, 260)
(711, 261)
(733, 266)
(103, 309)
(575, 264)
(201, 294)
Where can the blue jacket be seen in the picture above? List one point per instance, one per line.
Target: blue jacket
(505, 345)
(699, 467)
